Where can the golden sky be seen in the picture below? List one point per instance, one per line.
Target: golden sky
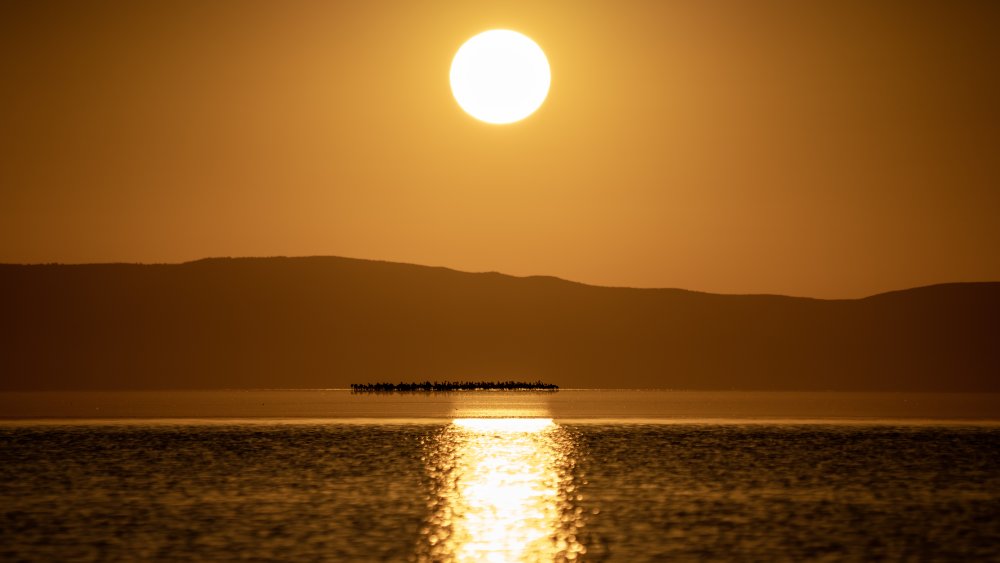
(826, 148)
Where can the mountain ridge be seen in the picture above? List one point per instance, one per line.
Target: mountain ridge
(218, 259)
(313, 322)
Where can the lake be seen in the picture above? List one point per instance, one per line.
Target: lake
(518, 476)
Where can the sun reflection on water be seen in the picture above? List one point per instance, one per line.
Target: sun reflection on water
(483, 425)
(504, 491)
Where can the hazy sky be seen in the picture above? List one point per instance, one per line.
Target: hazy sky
(824, 148)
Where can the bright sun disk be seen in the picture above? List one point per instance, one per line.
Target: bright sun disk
(500, 76)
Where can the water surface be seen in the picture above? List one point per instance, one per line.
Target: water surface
(567, 404)
(616, 476)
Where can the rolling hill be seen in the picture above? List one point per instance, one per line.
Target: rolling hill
(322, 322)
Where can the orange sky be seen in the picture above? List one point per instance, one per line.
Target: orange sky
(828, 148)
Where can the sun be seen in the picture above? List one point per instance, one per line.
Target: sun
(500, 76)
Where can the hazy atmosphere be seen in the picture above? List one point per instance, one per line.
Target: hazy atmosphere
(518, 282)
(826, 149)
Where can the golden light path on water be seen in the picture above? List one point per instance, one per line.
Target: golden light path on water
(504, 491)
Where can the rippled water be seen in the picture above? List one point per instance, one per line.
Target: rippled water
(480, 489)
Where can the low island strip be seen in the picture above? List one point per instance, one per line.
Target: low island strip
(454, 386)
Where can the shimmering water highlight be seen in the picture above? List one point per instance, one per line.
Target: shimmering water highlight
(503, 490)
(522, 490)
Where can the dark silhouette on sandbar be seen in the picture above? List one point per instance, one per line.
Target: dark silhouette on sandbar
(323, 322)
(453, 386)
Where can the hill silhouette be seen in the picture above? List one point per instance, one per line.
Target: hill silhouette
(323, 322)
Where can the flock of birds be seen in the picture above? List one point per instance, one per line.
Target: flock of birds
(454, 386)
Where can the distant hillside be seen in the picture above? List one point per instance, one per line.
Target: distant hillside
(327, 322)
